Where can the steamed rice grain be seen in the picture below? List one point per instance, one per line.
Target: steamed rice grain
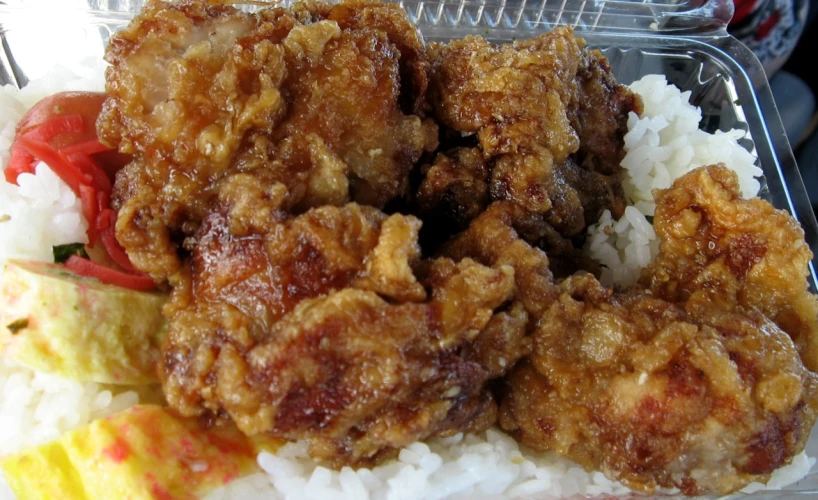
(37, 407)
(489, 465)
(37, 215)
(665, 143)
(662, 145)
(485, 465)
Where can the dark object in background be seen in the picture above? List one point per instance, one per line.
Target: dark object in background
(781, 34)
(802, 60)
(801, 64)
(770, 28)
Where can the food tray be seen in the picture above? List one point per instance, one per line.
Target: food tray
(685, 40)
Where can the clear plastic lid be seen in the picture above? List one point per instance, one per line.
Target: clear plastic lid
(650, 17)
(584, 15)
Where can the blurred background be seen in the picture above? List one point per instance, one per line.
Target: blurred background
(784, 36)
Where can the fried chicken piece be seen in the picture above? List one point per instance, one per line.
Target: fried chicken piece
(502, 342)
(391, 19)
(255, 259)
(506, 233)
(736, 252)
(327, 327)
(657, 394)
(310, 98)
(493, 241)
(549, 121)
(358, 377)
(459, 181)
(689, 380)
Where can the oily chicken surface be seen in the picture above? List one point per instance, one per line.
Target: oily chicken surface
(328, 327)
(325, 100)
(265, 146)
(548, 120)
(741, 253)
(283, 169)
(701, 390)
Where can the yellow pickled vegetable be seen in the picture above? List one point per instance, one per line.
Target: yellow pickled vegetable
(146, 452)
(56, 321)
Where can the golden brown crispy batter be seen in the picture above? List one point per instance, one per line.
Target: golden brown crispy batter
(455, 189)
(549, 121)
(691, 382)
(265, 146)
(310, 99)
(324, 326)
(391, 19)
(654, 394)
(319, 327)
(359, 377)
(493, 241)
(736, 252)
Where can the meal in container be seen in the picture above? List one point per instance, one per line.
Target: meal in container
(300, 252)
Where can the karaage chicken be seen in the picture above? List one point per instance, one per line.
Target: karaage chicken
(281, 160)
(493, 240)
(736, 252)
(693, 386)
(328, 327)
(549, 120)
(319, 98)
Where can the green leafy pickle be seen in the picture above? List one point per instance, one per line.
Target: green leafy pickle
(63, 252)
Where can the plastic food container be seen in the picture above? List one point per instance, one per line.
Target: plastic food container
(685, 40)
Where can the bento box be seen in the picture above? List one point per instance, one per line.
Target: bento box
(685, 40)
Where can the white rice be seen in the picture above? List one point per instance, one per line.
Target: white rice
(37, 407)
(39, 213)
(666, 143)
(624, 247)
(488, 465)
(662, 145)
